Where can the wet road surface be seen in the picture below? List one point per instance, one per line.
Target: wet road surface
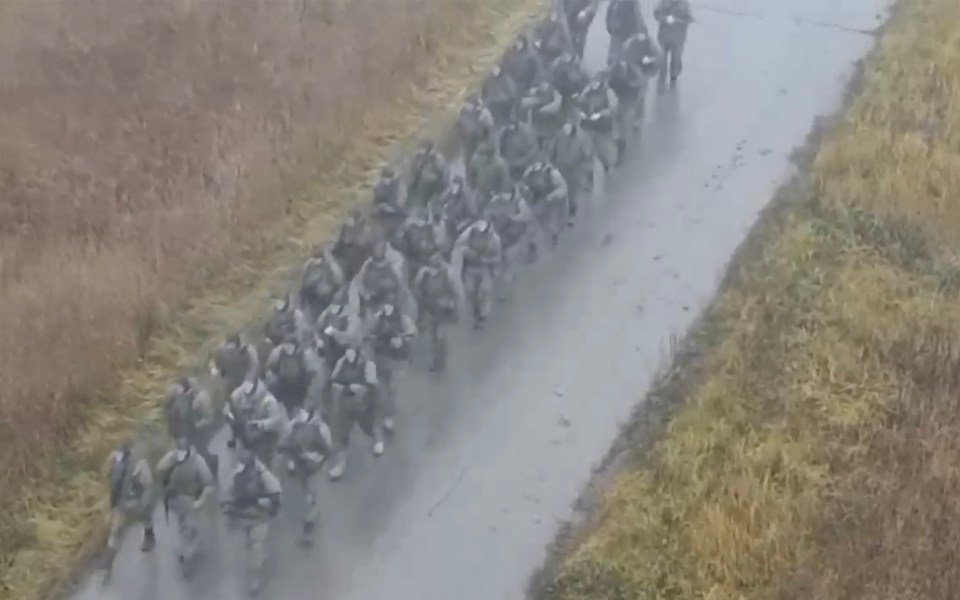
(489, 458)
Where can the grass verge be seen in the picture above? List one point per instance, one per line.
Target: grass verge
(814, 452)
(54, 518)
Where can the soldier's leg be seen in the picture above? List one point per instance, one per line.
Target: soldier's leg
(309, 482)
(118, 526)
(256, 555)
(440, 346)
(388, 406)
(485, 295)
(149, 537)
(341, 422)
(676, 59)
(371, 420)
(436, 348)
(187, 528)
(507, 272)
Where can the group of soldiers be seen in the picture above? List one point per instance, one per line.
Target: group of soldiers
(436, 247)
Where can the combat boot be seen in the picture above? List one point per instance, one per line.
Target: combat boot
(338, 466)
(149, 540)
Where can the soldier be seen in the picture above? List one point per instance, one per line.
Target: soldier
(287, 320)
(291, 368)
(322, 277)
(629, 84)
(189, 412)
(499, 93)
(381, 279)
(235, 362)
(568, 78)
(598, 107)
(674, 17)
(187, 485)
(388, 201)
(307, 444)
(478, 256)
(580, 14)
(419, 238)
(474, 124)
(388, 191)
(460, 208)
(439, 295)
(543, 108)
(624, 20)
(487, 172)
(353, 245)
(548, 198)
(552, 37)
(522, 65)
(389, 334)
(512, 219)
(132, 500)
(253, 502)
(573, 155)
(257, 418)
(519, 147)
(428, 175)
(337, 328)
(354, 386)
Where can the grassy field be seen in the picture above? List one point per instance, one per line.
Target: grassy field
(171, 198)
(815, 449)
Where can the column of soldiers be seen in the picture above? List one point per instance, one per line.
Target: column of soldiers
(437, 247)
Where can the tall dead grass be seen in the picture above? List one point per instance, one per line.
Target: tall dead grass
(816, 455)
(168, 152)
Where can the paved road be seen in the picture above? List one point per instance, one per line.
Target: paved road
(489, 458)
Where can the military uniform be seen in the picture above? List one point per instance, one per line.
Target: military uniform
(500, 95)
(519, 147)
(548, 198)
(307, 444)
(428, 177)
(478, 256)
(543, 108)
(354, 386)
(552, 38)
(514, 223)
(190, 415)
(568, 78)
(321, 279)
(389, 335)
(460, 208)
(674, 17)
(258, 419)
(439, 296)
(236, 362)
(474, 125)
(353, 245)
(132, 499)
(253, 502)
(522, 65)
(291, 369)
(287, 320)
(187, 485)
(598, 104)
(573, 156)
(624, 20)
(487, 172)
(580, 14)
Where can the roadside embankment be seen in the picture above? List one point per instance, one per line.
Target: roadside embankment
(814, 440)
(199, 151)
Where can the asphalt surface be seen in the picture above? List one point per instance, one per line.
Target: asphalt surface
(489, 458)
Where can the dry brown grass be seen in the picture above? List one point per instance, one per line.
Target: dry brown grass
(178, 150)
(817, 454)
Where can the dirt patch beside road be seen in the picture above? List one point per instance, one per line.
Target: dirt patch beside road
(814, 447)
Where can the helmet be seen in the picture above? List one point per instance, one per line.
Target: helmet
(183, 449)
(235, 340)
(184, 383)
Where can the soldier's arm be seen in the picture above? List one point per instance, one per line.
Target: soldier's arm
(337, 369)
(206, 480)
(165, 465)
(555, 104)
(271, 485)
(312, 362)
(275, 416)
(409, 327)
(659, 13)
(611, 102)
(203, 405)
(370, 373)
(253, 370)
(559, 185)
(145, 478)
